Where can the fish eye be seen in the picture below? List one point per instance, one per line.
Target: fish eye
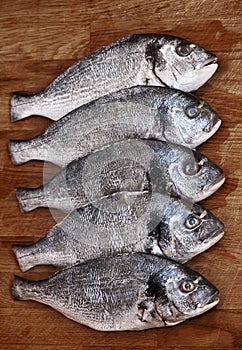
(192, 222)
(187, 286)
(192, 111)
(191, 168)
(184, 50)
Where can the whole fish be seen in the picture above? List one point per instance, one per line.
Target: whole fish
(130, 165)
(146, 59)
(125, 222)
(145, 112)
(131, 291)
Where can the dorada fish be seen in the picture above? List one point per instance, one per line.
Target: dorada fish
(125, 222)
(130, 165)
(144, 112)
(132, 291)
(150, 59)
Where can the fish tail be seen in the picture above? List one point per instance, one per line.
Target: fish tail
(24, 256)
(21, 106)
(21, 151)
(21, 288)
(30, 198)
(49, 250)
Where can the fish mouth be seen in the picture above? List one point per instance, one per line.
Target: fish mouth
(216, 185)
(218, 230)
(211, 125)
(210, 61)
(204, 136)
(213, 238)
(210, 189)
(205, 244)
(207, 305)
(200, 74)
(201, 308)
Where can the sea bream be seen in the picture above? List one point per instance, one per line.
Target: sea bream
(125, 222)
(130, 291)
(146, 59)
(130, 165)
(145, 112)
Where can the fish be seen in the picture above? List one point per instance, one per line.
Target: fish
(125, 222)
(129, 291)
(140, 59)
(130, 165)
(145, 112)
(113, 122)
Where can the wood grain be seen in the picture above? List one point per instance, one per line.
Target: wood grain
(39, 39)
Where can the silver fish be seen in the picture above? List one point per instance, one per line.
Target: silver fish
(132, 291)
(145, 112)
(130, 165)
(150, 59)
(125, 222)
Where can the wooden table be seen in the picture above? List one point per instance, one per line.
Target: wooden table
(39, 39)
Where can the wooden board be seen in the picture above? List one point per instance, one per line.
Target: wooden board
(39, 39)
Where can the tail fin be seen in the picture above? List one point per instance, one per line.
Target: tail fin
(30, 198)
(20, 154)
(20, 106)
(24, 257)
(20, 288)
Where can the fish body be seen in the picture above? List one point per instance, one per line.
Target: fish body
(144, 112)
(125, 222)
(131, 165)
(149, 59)
(132, 291)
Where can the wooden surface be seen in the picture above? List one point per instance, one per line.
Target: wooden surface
(39, 39)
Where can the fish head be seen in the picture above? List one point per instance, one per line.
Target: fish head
(189, 120)
(193, 175)
(180, 293)
(183, 65)
(186, 230)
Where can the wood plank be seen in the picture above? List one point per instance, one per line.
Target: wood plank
(40, 39)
